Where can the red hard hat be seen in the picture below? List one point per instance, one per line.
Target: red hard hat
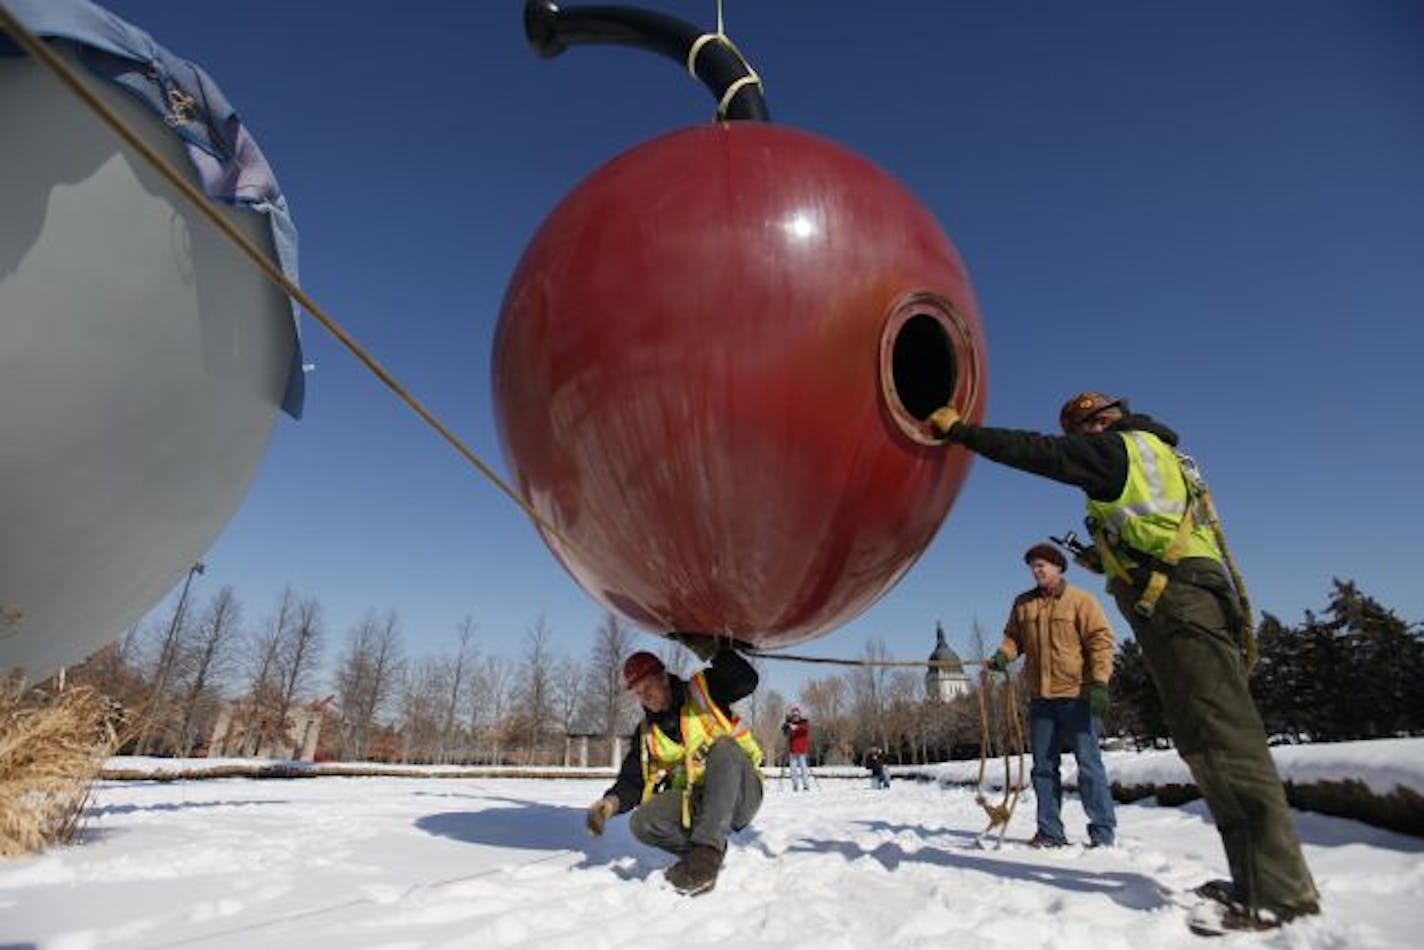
(639, 665)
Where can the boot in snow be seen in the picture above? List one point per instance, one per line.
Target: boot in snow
(696, 873)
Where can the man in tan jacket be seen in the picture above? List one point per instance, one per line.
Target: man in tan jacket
(1063, 634)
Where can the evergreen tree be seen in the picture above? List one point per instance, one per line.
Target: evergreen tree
(1354, 672)
(1379, 687)
(1325, 682)
(1278, 681)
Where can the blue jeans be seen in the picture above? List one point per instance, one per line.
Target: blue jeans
(800, 773)
(1050, 723)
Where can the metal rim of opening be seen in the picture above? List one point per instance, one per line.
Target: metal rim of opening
(927, 360)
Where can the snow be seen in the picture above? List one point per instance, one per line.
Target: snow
(1382, 765)
(395, 862)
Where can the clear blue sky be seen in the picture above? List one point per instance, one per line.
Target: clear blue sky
(1215, 208)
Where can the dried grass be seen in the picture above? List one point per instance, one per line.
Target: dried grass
(52, 746)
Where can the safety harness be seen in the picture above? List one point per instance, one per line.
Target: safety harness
(1199, 509)
(681, 765)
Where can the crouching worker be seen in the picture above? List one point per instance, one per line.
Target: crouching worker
(692, 775)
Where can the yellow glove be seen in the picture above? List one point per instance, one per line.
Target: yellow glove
(943, 419)
(599, 812)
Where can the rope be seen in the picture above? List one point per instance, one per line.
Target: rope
(1196, 485)
(1011, 731)
(1250, 645)
(794, 658)
(69, 78)
(750, 79)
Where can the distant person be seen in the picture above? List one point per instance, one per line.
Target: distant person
(1067, 646)
(875, 762)
(797, 730)
(692, 774)
(1154, 539)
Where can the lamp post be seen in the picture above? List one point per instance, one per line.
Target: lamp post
(166, 658)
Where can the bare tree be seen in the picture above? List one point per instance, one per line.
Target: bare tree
(111, 671)
(609, 704)
(956, 724)
(422, 701)
(568, 678)
(569, 702)
(299, 659)
(765, 723)
(904, 713)
(869, 686)
(208, 654)
(825, 699)
(461, 668)
(165, 667)
(366, 677)
(488, 699)
(264, 682)
(535, 689)
(827, 707)
(979, 638)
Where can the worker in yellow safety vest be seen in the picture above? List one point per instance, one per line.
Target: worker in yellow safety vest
(692, 775)
(1158, 539)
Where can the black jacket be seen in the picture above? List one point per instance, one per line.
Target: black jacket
(1096, 462)
(729, 678)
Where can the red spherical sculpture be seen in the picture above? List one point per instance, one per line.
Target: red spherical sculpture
(711, 375)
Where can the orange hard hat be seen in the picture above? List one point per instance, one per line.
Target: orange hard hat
(1084, 406)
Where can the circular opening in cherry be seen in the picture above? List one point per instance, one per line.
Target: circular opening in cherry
(922, 353)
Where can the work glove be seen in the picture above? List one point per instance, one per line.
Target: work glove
(599, 812)
(1098, 699)
(999, 662)
(943, 419)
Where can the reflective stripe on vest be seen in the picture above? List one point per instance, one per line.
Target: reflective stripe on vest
(1145, 516)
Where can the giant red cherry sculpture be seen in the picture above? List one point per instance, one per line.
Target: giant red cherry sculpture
(711, 375)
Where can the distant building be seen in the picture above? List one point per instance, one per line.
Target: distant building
(242, 732)
(945, 678)
(576, 745)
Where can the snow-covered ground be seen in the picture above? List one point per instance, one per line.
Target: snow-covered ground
(1381, 765)
(440, 862)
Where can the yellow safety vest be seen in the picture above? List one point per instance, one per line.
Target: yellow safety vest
(682, 765)
(1144, 519)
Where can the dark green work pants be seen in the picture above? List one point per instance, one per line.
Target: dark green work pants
(1196, 664)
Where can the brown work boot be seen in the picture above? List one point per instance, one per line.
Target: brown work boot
(1213, 919)
(1042, 840)
(696, 872)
